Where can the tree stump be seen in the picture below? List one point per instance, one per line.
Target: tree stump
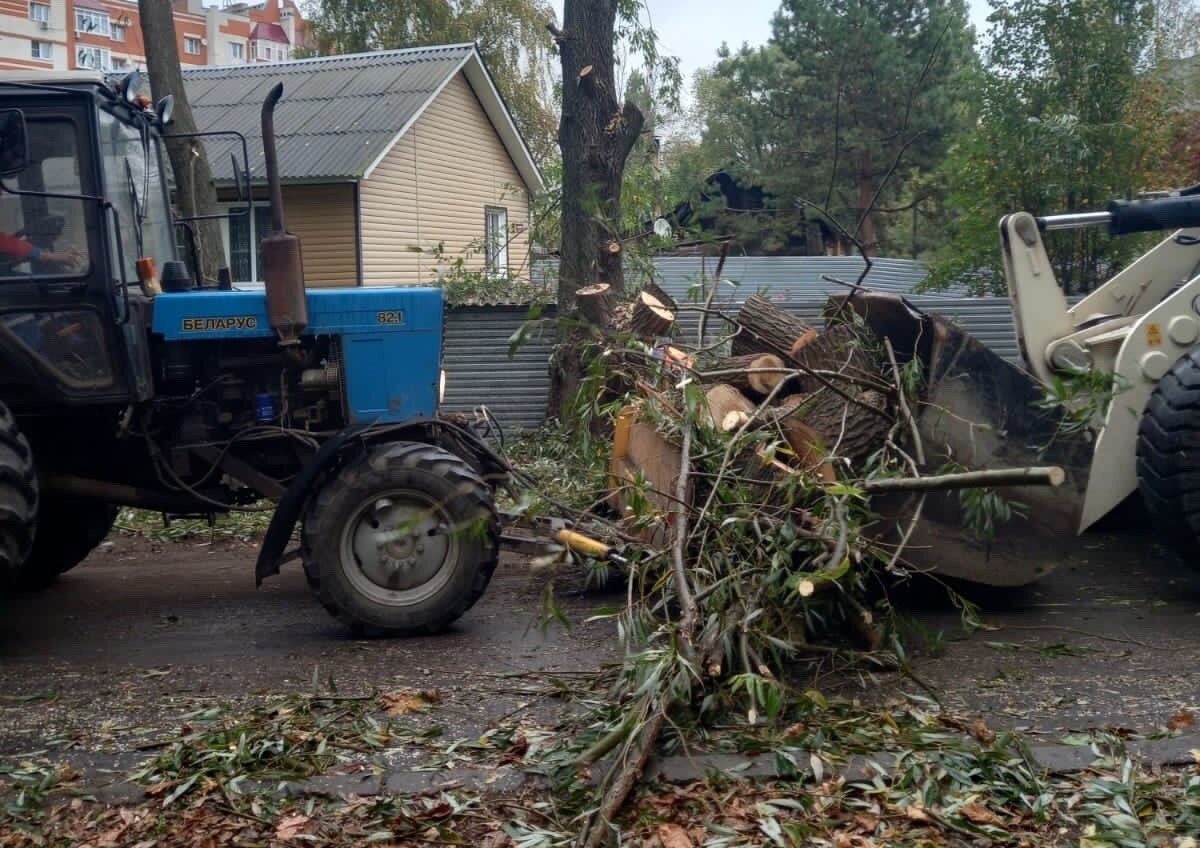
(655, 290)
(650, 318)
(765, 328)
(595, 303)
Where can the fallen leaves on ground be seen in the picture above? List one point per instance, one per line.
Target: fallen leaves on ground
(1181, 720)
(673, 836)
(407, 701)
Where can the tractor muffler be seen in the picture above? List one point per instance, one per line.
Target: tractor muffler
(283, 264)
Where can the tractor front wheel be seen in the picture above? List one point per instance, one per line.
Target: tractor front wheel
(68, 530)
(402, 540)
(1168, 457)
(18, 498)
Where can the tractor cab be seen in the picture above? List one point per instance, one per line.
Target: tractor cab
(83, 203)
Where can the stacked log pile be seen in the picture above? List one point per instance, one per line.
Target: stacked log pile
(819, 398)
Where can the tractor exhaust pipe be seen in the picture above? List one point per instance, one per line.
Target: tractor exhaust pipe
(283, 265)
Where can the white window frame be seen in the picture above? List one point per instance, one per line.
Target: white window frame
(103, 57)
(116, 32)
(188, 41)
(100, 22)
(39, 12)
(45, 53)
(495, 241)
(237, 51)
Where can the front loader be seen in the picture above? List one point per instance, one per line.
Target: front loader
(1132, 347)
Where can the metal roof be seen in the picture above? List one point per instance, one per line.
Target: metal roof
(339, 115)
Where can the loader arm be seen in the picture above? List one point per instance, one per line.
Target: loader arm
(1134, 327)
(1056, 338)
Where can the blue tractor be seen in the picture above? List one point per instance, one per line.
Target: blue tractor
(125, 379)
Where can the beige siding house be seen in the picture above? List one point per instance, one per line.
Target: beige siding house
(388, 161)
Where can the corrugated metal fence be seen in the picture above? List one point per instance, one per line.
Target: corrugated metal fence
(479, 370)
(516, 389)
(987, 318)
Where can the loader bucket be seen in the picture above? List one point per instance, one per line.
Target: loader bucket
(977, 411)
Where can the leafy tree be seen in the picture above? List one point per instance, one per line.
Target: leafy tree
(1073, 113)
(511, 34)
(743, 106)
(847, 106)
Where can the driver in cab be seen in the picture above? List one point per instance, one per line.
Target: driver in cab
(16, 249)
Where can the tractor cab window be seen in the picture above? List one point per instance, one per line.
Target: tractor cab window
(134, 185)
(44, 232)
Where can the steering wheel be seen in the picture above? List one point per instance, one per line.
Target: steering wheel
(47, 227)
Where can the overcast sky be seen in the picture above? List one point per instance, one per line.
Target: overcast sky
(694, 29)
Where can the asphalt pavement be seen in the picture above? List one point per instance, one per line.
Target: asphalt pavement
(115, 655)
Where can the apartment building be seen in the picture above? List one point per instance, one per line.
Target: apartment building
(106, 35)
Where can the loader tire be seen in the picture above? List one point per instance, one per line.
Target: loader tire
(439, 549)
(68, 530)
(1168, 457)
(18, 498)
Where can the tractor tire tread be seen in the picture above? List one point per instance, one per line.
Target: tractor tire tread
(1168, 456)
(79, 526)
(18, 497)
(468, 492)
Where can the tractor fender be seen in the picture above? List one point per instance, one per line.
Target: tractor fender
(291, 505)
(351, 441)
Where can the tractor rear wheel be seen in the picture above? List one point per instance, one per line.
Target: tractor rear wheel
(68, 530)
(1168, 457)
(402, 540)
(18, 498)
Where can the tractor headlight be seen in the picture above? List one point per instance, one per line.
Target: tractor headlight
(441, 386)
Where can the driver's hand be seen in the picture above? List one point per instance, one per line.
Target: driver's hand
(72, 259)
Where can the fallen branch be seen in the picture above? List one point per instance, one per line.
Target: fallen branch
(687, 599)
(987, 478)
(599, 829)
(915, 464)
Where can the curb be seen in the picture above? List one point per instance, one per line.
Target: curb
(1054, 758)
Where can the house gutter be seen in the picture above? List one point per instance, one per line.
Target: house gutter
(358, 247)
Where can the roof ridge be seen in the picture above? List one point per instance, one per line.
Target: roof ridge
(340, 57)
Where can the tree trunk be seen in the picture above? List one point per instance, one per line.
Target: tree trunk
(595, 134)
(848, 349)
(765, 328)
(867, 232)
(195, 193)
(848, 428)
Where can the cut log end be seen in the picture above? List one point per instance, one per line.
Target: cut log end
(650, 318)
(760, 376)
(733, 420)
(725, 402)
(595, 303)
